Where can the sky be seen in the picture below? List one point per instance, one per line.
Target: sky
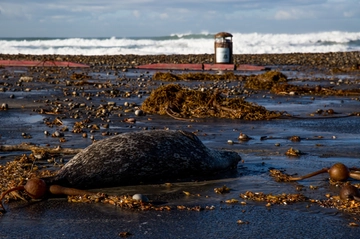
(145, 18)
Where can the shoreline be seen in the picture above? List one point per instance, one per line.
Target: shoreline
(331, 59)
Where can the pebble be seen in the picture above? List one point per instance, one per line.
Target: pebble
(57, 134)
(230, 141)
(140, 197)
(139, 112)
(4, 106)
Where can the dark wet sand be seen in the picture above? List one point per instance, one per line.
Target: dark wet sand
(340, 141)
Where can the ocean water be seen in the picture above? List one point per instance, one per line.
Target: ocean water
(243, 43)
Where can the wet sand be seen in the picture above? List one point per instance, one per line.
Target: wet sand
(50, 91)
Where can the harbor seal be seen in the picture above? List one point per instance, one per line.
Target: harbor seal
(143, 157)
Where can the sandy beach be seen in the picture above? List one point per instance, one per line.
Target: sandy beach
(320, 104)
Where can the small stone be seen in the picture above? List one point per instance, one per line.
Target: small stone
(139, 112)
(140, 197)
(57, 134)
(4, 106)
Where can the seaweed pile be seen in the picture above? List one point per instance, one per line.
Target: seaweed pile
(265, 81)
(16, 172)
(167, 76)
(276, 82)
(273, 199)
(183, 103)
(347, 200)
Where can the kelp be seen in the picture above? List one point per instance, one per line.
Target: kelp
(265, 81)
(276, 82)
(167, 76)
(184, 103)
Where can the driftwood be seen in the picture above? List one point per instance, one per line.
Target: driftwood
(34, 148)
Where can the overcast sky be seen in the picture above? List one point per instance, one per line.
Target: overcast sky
(127, 18)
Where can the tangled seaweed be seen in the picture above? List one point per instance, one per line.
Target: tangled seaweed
(273, 199)
(279, 176)
(276, 82)
(123, 201)
(265, 81)
(166, 76)
(182, 103)
(16, 172)
(127, 202)
(349, 206)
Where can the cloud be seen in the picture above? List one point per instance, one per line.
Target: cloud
(136, 13)
(166, 17)
(283, 15)
(349, 14)
(292, 14)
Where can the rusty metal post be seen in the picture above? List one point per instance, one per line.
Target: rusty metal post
(223, 48)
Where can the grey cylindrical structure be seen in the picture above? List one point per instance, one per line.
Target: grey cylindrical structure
(223, 48)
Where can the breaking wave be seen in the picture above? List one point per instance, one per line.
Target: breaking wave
(189, 43)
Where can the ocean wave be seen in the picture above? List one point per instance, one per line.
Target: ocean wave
(188, 43)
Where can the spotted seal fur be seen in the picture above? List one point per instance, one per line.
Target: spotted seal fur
(143, 157)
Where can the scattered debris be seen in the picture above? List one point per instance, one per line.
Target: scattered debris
(222, 190)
